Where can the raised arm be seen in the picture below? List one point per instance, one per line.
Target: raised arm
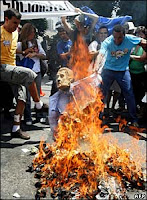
(66, 25)
(91, 15)
(95, 17)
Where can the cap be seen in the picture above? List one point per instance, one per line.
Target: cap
(59, 26)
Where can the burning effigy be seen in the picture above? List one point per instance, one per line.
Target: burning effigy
(83, 163)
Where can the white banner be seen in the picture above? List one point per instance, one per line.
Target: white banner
(38, 9)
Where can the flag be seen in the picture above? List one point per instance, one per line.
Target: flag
(104, 21)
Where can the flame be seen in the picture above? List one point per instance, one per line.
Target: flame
(82, 156)
(122, 123)
(80, 59)
(133, 130)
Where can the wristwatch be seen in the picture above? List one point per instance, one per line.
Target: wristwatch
(23, 53)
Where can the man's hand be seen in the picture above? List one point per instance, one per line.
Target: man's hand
(63, 19)
(78, 10)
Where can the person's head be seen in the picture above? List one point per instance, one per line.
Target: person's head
(80, 25)
(27, 32)
(141, 31)
(118, 34)
(102, 33)
(64, 77)
(11, 19)
(63, 34)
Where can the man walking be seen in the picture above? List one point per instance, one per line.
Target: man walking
(117, 49)
(17, 75)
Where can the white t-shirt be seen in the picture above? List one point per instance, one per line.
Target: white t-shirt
(36, 66)
(93, 46)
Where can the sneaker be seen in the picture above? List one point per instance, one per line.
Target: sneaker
(20, 134)
(135, 124)
(43, 109)
(29, 123)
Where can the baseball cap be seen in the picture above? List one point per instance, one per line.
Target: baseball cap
(59, 26)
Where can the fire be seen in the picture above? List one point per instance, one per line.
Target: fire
(80, 59)
(82, 157)
(133, 130)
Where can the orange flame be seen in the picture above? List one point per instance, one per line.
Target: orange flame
(82, 155)
(80, 59)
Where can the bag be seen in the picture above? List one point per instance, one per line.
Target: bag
(25, 62)
(43, 67)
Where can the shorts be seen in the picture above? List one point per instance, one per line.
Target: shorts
(17, 75)
(19, 92)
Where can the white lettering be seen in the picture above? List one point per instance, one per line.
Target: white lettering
(30, 7)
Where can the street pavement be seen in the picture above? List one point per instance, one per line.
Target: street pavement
(15, 154)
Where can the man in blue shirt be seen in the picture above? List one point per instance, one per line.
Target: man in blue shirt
(63, 47)
(117, 49)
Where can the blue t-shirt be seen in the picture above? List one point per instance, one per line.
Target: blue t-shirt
(64, 47)
(118, 56)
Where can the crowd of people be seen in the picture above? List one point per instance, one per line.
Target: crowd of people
(123, 72)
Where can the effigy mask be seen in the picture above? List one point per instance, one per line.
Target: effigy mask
(64, 78)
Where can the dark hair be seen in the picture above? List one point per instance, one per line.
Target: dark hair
(60, 29)
(103, 27)
(141, 29)
(119, 28)
(11, 12)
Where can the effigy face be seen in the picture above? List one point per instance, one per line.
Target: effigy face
(64, 78)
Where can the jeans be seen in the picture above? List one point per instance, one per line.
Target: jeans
(123, 78)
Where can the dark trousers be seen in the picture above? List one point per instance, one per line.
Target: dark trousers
(138, 82)
(123, 78)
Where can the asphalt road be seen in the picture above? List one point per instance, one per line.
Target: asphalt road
(15, 154)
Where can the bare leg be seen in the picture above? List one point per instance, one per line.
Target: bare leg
(39, 105)
(33, 91)
(16, 131)
(19, 111)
